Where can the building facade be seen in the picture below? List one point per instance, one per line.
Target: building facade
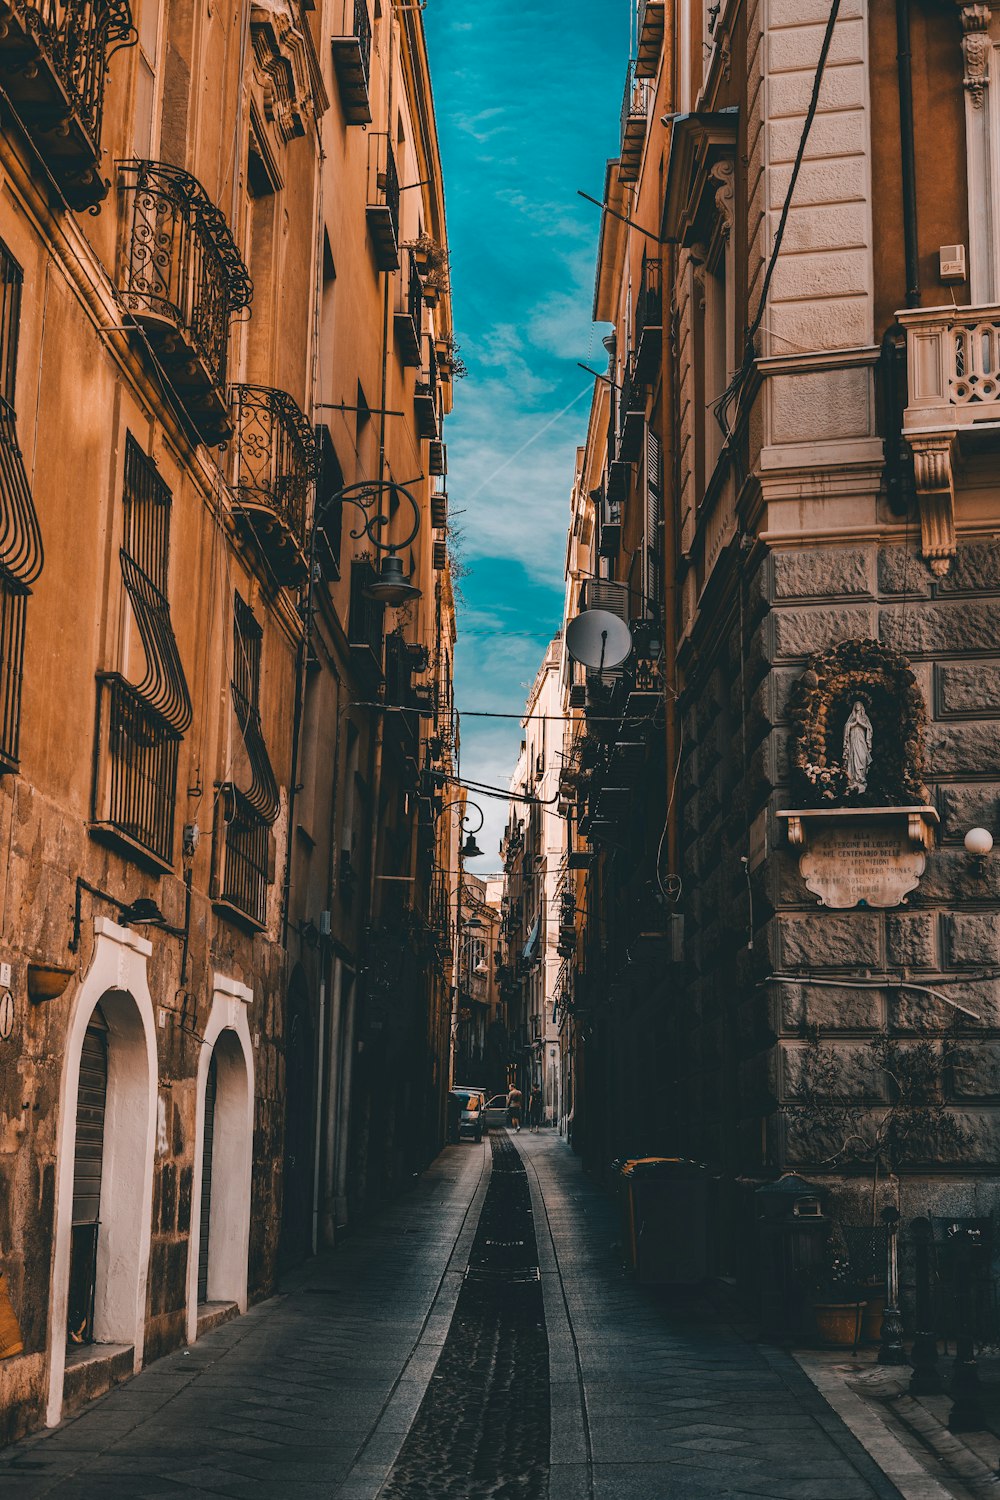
(186, 753)
(818, 385)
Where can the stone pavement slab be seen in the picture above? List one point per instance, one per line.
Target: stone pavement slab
(660, 1398)
(306, 1397)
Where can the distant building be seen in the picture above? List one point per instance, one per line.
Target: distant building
(534, 860)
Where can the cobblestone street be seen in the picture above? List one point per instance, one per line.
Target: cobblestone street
(313, 1394)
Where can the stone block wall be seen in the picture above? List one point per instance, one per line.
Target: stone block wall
(747, 1037)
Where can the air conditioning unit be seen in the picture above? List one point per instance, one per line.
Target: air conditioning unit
(952, 259)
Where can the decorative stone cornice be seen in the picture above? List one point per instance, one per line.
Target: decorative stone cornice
(282, 58)
(976, 47)
(934, 479)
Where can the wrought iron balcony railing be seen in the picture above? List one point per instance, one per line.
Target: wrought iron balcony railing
(276, 466)
(635, 119)
(53, 66)
(352, 56)
(409, 319)
(383, 201)
(182, 278)
(136, 784)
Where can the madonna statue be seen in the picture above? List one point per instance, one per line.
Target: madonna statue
(857, 748)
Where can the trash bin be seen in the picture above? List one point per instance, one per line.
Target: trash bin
(666, 1219)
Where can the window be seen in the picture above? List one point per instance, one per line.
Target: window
(21, 554)
(243, 843)
(145, 707)
(143, 126)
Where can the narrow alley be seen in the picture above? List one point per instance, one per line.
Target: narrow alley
(418, 1360)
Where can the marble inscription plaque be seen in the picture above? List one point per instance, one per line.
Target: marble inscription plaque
(861, 866)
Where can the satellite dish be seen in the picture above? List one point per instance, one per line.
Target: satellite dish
(598, 639)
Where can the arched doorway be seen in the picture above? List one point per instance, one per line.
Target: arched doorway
(225, 1171)
(219, 1248)
(104, 1190)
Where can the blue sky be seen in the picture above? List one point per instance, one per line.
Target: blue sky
(527, 99)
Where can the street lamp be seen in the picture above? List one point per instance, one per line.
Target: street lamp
(470, 849)
(391, 587)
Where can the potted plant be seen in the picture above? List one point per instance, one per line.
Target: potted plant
(837, 1306)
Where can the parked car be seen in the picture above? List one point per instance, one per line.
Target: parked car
(494, 1112)
(470, 1121)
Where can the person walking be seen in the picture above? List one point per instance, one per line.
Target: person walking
(514, 1100)
(534, 1109)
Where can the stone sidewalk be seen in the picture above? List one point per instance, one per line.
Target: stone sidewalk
(654, 1395)
(306, 1397)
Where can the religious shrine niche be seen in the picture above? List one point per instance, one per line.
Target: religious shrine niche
(858, 721)
(857, 756)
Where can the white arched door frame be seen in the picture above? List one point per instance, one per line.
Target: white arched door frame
(232, 1173)
(117, 968)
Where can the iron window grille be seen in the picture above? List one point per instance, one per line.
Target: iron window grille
(21, 552)
(276, 462)
(141, 725)
(182, 274)
(243, 830)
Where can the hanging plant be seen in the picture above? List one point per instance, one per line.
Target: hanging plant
(867, 672)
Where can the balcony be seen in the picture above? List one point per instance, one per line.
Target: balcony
(635, 118)
(182, 279)
(439, 510)
(648, 322)
(649, 44)
(383, 202)
(53, 66)
(953, 368)
(276, 465)
(425, 403)
(408, 322)
(136, 775)
(631, 417)
(437, 458)
(241, 859)
(352, 57)
(611, 528)
(952, 403)
(619, 475)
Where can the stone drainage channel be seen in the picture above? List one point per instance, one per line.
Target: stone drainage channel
(482, 1429)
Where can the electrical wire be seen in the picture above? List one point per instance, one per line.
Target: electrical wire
(888, 983)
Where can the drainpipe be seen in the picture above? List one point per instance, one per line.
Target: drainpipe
(907, 159)
(320, 1057)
